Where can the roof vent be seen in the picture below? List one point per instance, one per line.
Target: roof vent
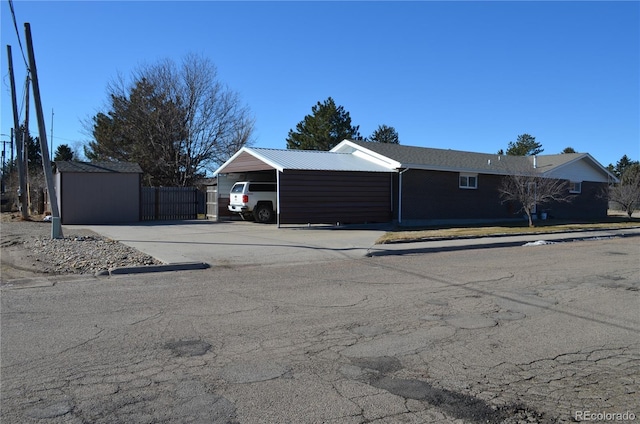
(488, 161)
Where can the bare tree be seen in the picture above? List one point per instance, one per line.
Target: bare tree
(529, 188)
(176, 121)
(216, 124)
(627, 193)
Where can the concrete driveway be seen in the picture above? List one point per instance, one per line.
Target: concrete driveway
(241, 243)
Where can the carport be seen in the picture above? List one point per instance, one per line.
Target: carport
(316, 187)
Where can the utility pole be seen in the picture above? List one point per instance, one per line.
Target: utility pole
(51, 134)
(11, 145)
(22, 190)
(25, 140)
(4, 167)
(56, 229)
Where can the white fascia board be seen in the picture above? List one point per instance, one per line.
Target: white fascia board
(377, 159)
(602, 168)
(558, 170)
(253, 153)
(347, 146)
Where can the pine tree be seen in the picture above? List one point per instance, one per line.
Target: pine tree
(385, 134)
(327, 126)
(526, 145)
(63, 153)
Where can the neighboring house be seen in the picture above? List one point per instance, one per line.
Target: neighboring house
(360, 182)
(98, 192)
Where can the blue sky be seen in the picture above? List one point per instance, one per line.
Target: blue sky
(458, 75)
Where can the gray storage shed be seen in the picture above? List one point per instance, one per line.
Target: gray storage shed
(98, 192)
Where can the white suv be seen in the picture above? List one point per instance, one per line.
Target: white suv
(254, 198)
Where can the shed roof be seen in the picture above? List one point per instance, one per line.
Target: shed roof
(98, 167)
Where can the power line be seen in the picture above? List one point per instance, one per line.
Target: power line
(15, 25)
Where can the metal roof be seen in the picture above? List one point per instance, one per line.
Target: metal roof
(312, 160)
(98, 167)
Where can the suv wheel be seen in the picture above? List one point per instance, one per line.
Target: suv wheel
(263, 213)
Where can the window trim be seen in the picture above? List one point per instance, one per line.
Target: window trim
(573, 185)
(468, 176)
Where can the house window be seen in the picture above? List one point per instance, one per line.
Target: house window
(468, 181)
(575, 187)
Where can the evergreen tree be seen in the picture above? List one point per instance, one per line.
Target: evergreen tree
(143, 127)
(32, 148)
(63, 153)
(622, 165)
(525, 145)
(327, 126)
(385, 134)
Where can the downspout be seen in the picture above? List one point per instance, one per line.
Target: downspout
(400, 195)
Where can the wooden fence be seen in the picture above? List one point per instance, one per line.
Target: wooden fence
(171, 203)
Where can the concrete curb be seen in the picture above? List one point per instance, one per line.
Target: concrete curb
(430, 246)
(568, 233)
(179, 266)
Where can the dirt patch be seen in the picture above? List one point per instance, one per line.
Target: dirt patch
(15, 261)
(28, 250)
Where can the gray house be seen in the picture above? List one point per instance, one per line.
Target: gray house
(98, 192)
(359, 182)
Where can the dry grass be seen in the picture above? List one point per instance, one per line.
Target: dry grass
(542, 227)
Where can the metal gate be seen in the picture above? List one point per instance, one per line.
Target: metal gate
(169, 203)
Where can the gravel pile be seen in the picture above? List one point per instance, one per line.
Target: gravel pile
(28, 245)
(84, 254)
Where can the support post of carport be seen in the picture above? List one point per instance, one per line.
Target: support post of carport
(400, 194)
(278, 198)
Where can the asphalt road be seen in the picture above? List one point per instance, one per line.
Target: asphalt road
(547, 333)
